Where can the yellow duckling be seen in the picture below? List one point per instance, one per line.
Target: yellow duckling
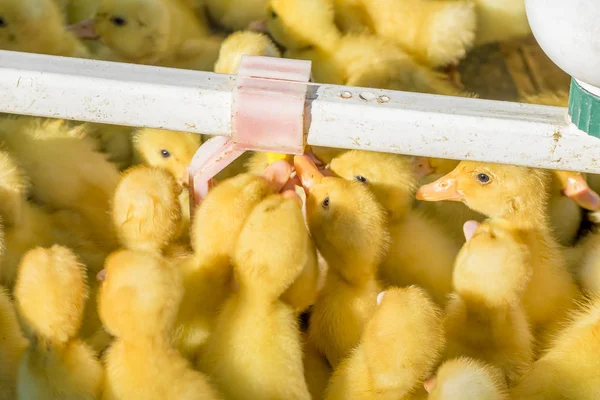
(142, 32)
(467, 379)
(207, 273)
(307, 29)
(138, 305)
(421, 253)
(399, 348)
(12, 345)
(569, 369)
(50, 296)
(436, 32)
(36, 26)
(520, 196)
(172, 151)
(65, 170)
(349, 229)
(271, 368)
(146, 210)
(485, 319)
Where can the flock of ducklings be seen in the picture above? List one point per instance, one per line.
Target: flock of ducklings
(314, 277)
(334, 275)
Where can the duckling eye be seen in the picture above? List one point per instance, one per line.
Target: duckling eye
(361, 178)
(325, 203)
(483, 178)
(274, 15)
(2, 22)
(118, 21)
(165, 153)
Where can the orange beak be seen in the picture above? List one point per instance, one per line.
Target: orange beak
(576, 188)
(445, 188)
(307, 171)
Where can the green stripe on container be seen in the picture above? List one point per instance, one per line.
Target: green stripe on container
(584, 109)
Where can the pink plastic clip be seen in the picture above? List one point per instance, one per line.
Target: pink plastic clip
(267, 115)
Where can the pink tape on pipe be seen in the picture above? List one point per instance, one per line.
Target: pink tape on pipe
(267, 115)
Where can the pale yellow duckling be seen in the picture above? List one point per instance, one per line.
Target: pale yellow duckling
(421, 253)
(65, 170)
(271, 253)
(349, 229)
(146, 210)
(172, 151)
(519, 195)
(138, 304)
(467, 379)
(485, 319)
(12, 346)
(399, 348)
(142, 32)
(207, 273)
(50, 296)
(116, 142)
(306, 28)
(569, 369)
(436, 32)
(37, 26)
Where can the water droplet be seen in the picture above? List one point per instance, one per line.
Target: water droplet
(346, 95)
(367, 96)
(383, 99)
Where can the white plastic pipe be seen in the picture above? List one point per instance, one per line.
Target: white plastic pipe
(336, 116)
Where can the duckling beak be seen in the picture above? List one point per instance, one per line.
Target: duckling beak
(429, 384)
(422, 167)
(576, 188)
(258, 26)
(469, 229)
(445, 188)
(277, 175)
(85, 29)
(307, 171)
(101, 276)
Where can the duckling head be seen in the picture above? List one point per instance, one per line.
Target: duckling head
(392, 178)
(136, 30)
(273, 247)
(13, 190)
(26, 24)
(50, 292)
(493, 265)
(345, 220)
(300, 24)
(243, 43)
(494, 190)
(140, 294)
(146, 211)
(170, 150)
